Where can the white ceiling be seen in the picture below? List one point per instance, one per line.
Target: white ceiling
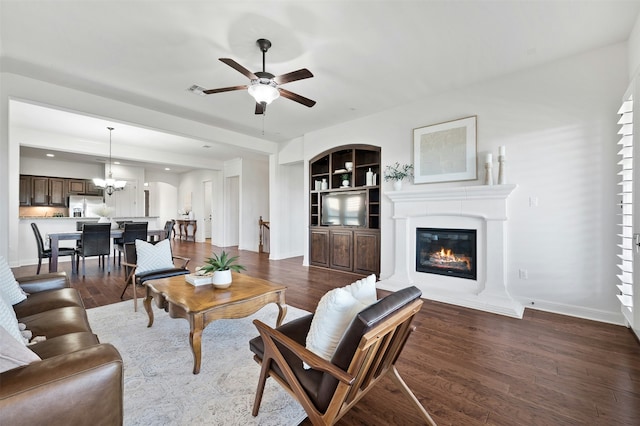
(367, 56)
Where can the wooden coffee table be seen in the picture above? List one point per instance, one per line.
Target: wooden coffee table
(203, 304)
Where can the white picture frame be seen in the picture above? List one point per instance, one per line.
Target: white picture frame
(445, 152)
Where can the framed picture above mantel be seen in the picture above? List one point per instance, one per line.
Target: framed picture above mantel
(445, 152)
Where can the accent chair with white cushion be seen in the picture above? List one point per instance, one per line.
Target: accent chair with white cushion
(144, 261)
(366, 351)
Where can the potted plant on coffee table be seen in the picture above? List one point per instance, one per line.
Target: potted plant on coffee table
(221, 266)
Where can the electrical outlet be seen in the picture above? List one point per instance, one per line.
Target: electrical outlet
(524, 274)
(533, 201)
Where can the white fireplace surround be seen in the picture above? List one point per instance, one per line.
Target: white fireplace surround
(483, 208)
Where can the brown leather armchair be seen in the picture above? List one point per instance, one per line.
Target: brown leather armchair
(366, 353)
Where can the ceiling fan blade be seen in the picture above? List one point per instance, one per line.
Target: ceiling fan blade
(224, 89)
(295, 97)
(236, 66)
(259, 108)
(300, 74)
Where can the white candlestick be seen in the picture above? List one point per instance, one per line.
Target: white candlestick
(489, 158)
(501, 150)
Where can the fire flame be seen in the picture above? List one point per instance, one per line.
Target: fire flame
(446, 256)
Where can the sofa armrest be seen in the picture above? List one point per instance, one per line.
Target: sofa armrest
(43, 282)
(76, 388)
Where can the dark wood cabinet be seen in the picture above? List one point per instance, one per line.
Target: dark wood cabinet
(53, 191)
(345, 170)
(91, 188)
(319, 247)
(39, 191)
(57, 192)
(25, 190)
(341, 249)
(76, 186)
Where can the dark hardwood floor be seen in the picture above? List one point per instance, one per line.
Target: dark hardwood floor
(466, 367)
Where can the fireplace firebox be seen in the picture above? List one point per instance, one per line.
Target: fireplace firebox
(450, 252)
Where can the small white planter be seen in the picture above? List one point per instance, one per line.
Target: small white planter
(222, 279)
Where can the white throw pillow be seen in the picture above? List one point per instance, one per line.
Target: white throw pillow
(10, 291)
(9, 322)
(14, 354)
(364, 290)
(335, 312)
(153, 257)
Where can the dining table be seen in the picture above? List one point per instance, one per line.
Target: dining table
(56, 237)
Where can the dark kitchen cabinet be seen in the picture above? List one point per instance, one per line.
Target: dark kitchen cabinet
(25, 190)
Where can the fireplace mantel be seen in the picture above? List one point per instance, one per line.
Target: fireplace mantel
(483, 208)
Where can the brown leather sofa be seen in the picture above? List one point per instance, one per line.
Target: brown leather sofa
(79, 381)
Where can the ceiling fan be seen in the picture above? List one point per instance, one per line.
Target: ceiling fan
(264, 86)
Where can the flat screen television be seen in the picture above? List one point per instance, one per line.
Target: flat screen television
(344, 208)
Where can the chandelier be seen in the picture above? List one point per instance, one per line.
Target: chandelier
(110, 185)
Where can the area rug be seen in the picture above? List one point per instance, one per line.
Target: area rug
(159, 386)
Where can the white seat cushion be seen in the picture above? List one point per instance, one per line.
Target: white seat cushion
(153, 257)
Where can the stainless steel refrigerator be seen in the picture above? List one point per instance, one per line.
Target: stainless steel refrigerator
(84, 205)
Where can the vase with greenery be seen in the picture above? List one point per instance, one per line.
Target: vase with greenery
(345, 179)
(221, 267)
(397, 173)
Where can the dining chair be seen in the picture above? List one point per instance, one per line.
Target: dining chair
(132, 231)
(96, 241)
(46, 253)
(168, 228)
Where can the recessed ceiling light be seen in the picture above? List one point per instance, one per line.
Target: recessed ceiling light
(50, 155)
(116, 162)
(206, 146)
(167, 168)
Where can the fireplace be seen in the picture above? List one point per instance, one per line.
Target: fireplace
(482, 208)
(450, 252)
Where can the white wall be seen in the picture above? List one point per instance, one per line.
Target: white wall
(254, 201)
(66, 169)
(633, 50)
(191, 189)
(163, 201)
(558, 123)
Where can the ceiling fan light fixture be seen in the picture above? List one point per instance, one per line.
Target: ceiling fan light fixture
(263, 91)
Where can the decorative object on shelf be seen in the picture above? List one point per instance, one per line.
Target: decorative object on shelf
(325, 184)
(221, 267)
(445, 152)
(369, 177)
(318, 185)
(185, 213)
(348, 165)
(488, 167)
(502, 159)
(105, 213)
(345, 179)
(110, 185)
(397, 173)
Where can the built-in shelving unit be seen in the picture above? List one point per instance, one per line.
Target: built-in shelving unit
(353, 247)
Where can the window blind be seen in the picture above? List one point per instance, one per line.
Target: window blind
(626, 246)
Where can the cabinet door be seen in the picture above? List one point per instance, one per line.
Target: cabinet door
(76, 186)
(57, 193)
(91, 189)
(39, 191)
(366, 252)
(25, 190)
(319, 247)
(340, 249)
